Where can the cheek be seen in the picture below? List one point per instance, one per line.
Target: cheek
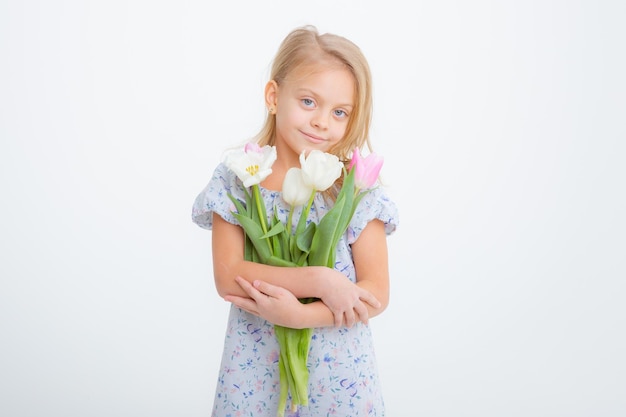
(339, 131)
(289, 118)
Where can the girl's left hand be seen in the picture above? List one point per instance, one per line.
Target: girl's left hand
(274, 304)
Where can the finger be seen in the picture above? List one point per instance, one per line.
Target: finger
(243, 303)
(349, 318)
(248, 288)
(369, 298)
(267, 288)
(338, 315)
(362, 312)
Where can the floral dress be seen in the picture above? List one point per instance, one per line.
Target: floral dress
(343, 378)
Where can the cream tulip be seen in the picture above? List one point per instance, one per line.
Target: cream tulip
(252, 164)
(320, 169)
(295, 191)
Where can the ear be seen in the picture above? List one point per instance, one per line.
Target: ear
(271, 94)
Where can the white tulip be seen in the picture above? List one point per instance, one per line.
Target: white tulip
(320, 169)
(252, 164)
(295, 190)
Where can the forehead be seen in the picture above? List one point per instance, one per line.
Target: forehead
(315, 63)
(329, 78)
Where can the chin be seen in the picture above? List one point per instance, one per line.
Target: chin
(324, 147)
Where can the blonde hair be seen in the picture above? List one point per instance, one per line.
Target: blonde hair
(305, 46)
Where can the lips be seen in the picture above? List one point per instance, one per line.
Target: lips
(313, 138)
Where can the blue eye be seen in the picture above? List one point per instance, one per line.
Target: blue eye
(340, 113)
(307, 102)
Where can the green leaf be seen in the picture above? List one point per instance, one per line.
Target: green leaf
(304, 214)
(276, 229)
(294, 349)
(303, 260)
(255, 255)
(294, 252)
(285, 239)
(258, 209)
(284, 388)
(238, 205)
(276, 261)
(284, 372)
(255, 233)
(327, 228)
(333, 224)
(304, 239)
(277, 246)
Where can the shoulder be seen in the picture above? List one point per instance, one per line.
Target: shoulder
(375, 204)
(223, 175)
(214, 198)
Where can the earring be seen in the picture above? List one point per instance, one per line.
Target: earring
(272, 110)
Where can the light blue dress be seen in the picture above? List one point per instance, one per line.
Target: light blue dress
(343, 377)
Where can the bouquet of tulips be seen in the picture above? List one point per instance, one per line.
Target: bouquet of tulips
(271, 242)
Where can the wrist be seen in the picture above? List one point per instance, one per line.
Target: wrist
(320, 280)
(313, 314)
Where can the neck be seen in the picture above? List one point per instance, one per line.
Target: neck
(286, 159)
(279, 169)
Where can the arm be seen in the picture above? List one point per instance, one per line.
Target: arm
(279, 306)
(228, 263)
(372, 264)
(342, 298)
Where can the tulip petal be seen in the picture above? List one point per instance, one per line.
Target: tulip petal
(320, 169)
(295, 191)
(366, 170)
(252, 163)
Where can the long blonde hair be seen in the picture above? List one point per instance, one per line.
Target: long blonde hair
(305, 46)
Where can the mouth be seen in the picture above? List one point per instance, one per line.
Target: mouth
(312, 138)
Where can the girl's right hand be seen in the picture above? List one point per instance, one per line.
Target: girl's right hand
(346, 300)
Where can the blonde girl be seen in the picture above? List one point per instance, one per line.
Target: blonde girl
(318, 98)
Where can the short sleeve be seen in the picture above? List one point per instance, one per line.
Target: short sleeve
(214, 198)
(376, 204)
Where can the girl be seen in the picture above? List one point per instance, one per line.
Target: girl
(318, 97)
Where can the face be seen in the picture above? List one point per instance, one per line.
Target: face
(312, 109)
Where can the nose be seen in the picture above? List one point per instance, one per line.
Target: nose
(319, 120)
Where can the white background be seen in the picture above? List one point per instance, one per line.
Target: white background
(502, 125)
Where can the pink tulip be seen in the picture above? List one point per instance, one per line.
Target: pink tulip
(252, 147)
(366, 169)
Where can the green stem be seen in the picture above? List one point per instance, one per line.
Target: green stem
(262, 219)
(310, 203)
(290, 220)
(257, 199)
(305, 213)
